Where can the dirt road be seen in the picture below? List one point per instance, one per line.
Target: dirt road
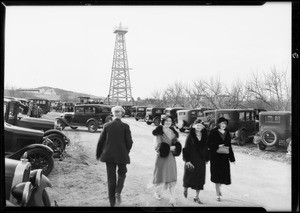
(256, 182)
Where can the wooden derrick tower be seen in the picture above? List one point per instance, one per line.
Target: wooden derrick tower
(120, 88)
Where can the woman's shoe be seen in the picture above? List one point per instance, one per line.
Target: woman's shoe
(218, 198)
(185, 193)
(172, 202)
(157, 196)
(197, 200)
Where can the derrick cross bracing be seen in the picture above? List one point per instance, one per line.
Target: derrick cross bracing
(120, 88)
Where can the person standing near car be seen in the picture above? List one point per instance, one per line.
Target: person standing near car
(195, 155)
(30, 108)
(113, 148)
(221, 153)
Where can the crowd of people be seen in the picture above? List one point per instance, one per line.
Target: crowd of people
(115, 143)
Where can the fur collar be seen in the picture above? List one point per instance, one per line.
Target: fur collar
(159, 131)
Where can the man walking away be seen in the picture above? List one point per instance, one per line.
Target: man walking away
(113, 148)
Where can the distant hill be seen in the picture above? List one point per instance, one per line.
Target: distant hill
(49, 93)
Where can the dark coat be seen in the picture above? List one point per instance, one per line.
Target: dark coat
(195, 151)
(219, 163)
(114, 143)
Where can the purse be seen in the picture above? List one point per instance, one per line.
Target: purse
(223, 150)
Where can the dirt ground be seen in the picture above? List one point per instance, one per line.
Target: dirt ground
(259, 178)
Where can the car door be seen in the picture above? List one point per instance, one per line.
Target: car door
(78, 115)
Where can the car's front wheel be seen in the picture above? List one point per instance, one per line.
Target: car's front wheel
(92, 126)
(40, 159)
(243, 138)
(59, 144)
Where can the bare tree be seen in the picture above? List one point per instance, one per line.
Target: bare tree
(175, 95)
(235, 97)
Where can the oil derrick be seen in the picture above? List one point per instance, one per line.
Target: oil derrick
(120, 88)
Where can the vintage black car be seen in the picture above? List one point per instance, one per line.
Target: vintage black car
(25, 186)
(44, 104)
(138, 112)
(93, 116)
(127, 109)
(51, 128)
(275, 128)
(18, 140)
(153, 115)
(187, 117)
(242, 123)
(172, 112)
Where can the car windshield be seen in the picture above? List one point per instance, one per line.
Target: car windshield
(140, 109)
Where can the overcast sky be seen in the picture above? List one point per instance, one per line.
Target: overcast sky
(71, 47)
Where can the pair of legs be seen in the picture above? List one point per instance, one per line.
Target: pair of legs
(171, 189)
(115, 185)
(196, 198)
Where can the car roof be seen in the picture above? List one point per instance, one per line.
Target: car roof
(275, 113)
(99, 105)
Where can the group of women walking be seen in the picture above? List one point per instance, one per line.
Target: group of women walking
(200, 147)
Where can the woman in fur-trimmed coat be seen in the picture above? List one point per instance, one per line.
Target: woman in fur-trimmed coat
(195, 155)
(219, 162)
(165, 170)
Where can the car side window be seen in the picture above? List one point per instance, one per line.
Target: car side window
(90, 110)
(79, 110)
(241, 116)
(249, 116)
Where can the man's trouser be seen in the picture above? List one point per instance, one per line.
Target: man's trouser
(114, 185)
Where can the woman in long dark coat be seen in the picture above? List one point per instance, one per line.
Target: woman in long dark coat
(195, 157)
(219, 162)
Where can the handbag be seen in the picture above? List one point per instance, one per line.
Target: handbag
(223, 150)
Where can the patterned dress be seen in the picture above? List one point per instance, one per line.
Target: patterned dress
(165, 171)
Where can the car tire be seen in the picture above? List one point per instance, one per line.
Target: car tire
(74, 127)
(92, 126)
(148, 122)
(243, 138)
(269, 137)
(156, 121)
(46, 198)
(40, 159)
(261, 146)
(61, 124)
(59, 143)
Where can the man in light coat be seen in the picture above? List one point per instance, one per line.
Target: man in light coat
(113, 148)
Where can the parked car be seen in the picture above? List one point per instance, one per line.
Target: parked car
(187, 117)
(139, 112)
(93, 116)
(18, 140)
(51, 128)
(242, 123)
(172, 112)
(275, 129)
(153, 115)
(127, 109)
(25, 186)
(44, 104)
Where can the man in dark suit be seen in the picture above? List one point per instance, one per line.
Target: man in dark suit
(113, 148)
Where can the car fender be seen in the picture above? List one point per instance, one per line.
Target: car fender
(17, 155)
(50, 131)
(63, 120)
(92, 119)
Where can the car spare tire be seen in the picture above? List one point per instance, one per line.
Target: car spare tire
(269, 137)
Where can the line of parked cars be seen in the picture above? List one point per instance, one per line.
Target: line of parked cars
(264, 128)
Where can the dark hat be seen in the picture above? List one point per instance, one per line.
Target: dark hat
(199, 121)
(164, 149)
(222, 119)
